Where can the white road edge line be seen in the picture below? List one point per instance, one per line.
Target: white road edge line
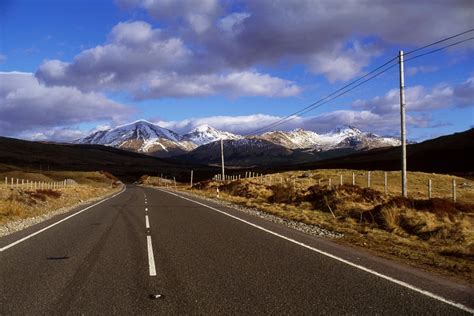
(386, 277)
(59, 222)
(151, 258)
(147, 222)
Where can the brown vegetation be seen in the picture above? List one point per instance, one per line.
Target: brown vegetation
(22, 202)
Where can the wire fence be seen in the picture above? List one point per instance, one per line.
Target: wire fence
(420, 185)
(26, 184)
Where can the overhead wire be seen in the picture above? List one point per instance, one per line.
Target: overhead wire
(438, 42)
(327, 96)
(339, 92)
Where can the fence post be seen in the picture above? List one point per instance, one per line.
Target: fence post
(454, 190)
(319, 182)
(353, 178)
(368, 179)
(192, 171)
(429, 189)
(174, 179)
(6, 183)
(385, 182)
(17, 181)
(341, 180)
(329, 183)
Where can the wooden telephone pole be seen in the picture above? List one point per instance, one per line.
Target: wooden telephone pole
(222, 159)
(402, 125)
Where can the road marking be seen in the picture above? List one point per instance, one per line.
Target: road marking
(151, 259)
(383, 276)
(146, 209)
(59, 222)
(147, 222)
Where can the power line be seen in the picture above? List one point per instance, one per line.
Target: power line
(324, 98)
(440, 41)
(336, 93)
(336, 96)
(441, 48)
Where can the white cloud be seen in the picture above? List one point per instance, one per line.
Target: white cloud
(248, 124)
(232, 23)
(25, 105)
(142, 61)
(2, 58)
(420, 99)
(209, 39)
(197, 14)
(63, 134)
(342, 65)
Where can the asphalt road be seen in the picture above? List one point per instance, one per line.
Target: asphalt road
(201, 261)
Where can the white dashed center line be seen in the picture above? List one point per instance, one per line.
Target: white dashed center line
(151, 258)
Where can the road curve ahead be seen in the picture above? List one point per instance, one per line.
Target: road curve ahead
(147, 252)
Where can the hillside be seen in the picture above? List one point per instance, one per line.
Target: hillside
(446, 154)
(281, 147)
(126, 165)
(247, 152)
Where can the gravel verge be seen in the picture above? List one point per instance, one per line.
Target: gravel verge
(303, 227)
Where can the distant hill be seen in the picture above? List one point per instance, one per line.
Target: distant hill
(274, 148)
(126, 165)
(446, 154)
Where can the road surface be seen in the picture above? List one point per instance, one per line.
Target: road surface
(146, 251)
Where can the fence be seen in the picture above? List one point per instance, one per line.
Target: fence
(420, 185)
(26, 184)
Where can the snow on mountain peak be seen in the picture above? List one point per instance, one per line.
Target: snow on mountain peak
(348, 130)
(205, 134)
(202, 129)
(147, 137)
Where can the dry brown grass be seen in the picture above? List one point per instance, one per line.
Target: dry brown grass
(436, 234)
(19, 203)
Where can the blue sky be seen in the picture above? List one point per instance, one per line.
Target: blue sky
(70, 67)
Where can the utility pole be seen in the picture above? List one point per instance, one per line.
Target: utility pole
(222, 158)
(402, 127)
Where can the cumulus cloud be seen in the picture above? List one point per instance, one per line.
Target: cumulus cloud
(209, 39)
(313, 33)
(148, 64)
(418, 98)
(342, 64)
(323, 123)
(62, 134)
(133, 50)
(25, 105)
(197, 14)
(235, 84)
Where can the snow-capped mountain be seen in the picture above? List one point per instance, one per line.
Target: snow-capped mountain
(145, 137)
(141, 136)
(346, 137)
(205, 134)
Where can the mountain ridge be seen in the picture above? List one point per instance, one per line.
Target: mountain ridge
(146, 137)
